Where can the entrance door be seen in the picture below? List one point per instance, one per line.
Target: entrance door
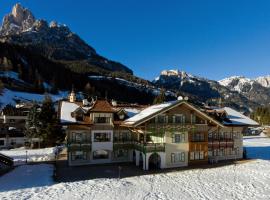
(154, 161)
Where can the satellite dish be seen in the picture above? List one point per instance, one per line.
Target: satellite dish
(179, 98)
(186, 98)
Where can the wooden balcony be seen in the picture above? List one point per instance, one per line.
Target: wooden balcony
(150, 147)
(79, 145)
(123, 145)
(216, 143)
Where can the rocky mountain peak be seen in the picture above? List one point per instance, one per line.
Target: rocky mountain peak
(19, 20)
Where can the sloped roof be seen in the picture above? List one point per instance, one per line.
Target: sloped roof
(65, 113)
(154, 110)
(236, 118)
(147, 112)
(102, 106)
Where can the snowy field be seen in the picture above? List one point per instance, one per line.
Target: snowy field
(33, 155)
(9, 96)
(250, 180)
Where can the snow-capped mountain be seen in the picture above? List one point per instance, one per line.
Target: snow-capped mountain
(238, 83)
(243, 84)
(52, 40)
(264, 81)
(234, 91)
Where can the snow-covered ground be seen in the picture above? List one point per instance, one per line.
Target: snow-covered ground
(9, 96)
(258, 147)
(250, 180)
(33, 155)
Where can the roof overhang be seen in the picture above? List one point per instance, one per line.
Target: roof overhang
(178, 103)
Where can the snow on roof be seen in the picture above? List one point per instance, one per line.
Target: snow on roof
(132, 111)
(237, 118)
(66, 109)
(148, 112)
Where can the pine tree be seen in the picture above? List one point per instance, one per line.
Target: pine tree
(32, 125)
(50, 132)
(160, 98)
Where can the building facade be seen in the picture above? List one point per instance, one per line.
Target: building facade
(172, 134)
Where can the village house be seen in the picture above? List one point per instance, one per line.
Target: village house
(12, 123)
(167, 135)
(12, 126)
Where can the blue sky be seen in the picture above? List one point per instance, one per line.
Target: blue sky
(209, 38)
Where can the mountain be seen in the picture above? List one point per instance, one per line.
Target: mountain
(54, 41)
(257, 90)
(38, 57)
(205, 90)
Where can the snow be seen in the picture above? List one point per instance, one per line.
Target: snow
(257, 146)
(8, 96)
(243, 81)
(264, 81)
(149, 111)
(66, 109)
(237, 118)
(140, 87)
(33, 155)
(242, 181)
(25, 176)
(247, 181)
(132, 111)
(10, 74)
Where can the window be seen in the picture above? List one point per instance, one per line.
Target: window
(179, 119)
(193, 119)
(178, 137)
(197, 155)
(161, 119)
(102, 137)
(78, 155)
(2, 142)
(221, 152)
(120, 153)
(102, 120)
(215, 152)
(79, 137)
(198, 137)
(122, 136)
(100, 154)
(201, 155)
(178, 157)
(192, 156)
(12, 121)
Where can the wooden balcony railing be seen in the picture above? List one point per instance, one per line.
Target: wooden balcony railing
(149, 147)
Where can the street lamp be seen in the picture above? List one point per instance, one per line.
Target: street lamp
(26, 156)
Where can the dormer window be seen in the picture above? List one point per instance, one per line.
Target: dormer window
(78, 114)
(102, 120)
(79, 117)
